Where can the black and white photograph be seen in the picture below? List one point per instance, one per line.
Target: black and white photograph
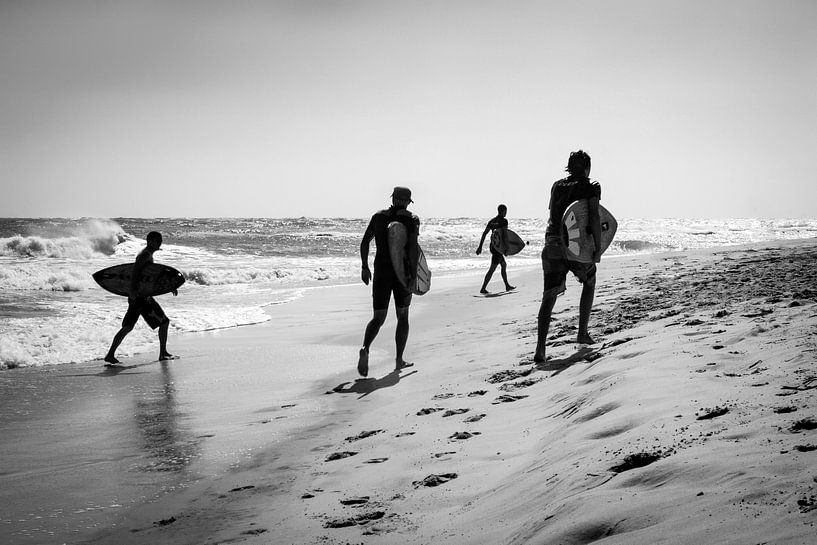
(392, 272)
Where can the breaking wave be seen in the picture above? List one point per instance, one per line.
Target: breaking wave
(83, 241)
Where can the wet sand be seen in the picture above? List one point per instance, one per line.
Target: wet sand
(691, 420)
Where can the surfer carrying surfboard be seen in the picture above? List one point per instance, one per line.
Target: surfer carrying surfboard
(384, 280)
(498, 227)
(555, 264)
(140, 305)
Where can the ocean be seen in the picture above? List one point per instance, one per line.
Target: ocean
(52, 312)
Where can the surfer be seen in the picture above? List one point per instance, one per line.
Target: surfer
(146, 307)
(499, 223)
(554, 262)
(384, 280)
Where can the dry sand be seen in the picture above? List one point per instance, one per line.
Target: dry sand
(692, 420)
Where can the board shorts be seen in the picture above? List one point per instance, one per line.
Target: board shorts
(555, 267)
(496, 257)
(384, 285)
(148, 309)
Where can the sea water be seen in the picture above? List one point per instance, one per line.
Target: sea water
(52, 312)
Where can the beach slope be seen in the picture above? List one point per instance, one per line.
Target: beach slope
(691, 420)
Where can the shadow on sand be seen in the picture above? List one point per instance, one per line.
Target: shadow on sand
(112, 370)
(365, 386)
(557, 365)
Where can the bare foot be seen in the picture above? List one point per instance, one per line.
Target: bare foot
(402, 364)
(167, 356)
(483, 291)
(509, 287)
(539, 359)
(585, 339)
(111, 360)
(363, 363)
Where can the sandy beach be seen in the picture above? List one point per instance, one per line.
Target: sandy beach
(691, 420)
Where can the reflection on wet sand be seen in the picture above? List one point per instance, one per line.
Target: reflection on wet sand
(169, 446)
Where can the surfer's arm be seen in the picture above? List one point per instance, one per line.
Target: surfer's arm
(482, 240)
(413, 255)
(365, 273)
(595, 226)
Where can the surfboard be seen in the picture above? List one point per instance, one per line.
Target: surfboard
(156, 279)
(579, 243)
(399, 260)
(513, 244)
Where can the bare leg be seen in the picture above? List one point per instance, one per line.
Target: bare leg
(372, 329)
(401, 337)
(585, 306)
(504, 271)
(545, 312)
(163, 353)
(488, 276)
(117, 340)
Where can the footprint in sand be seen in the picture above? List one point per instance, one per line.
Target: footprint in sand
(634, 461)
(375, 461)
(507, 399)
(435, 480)
(463, 435)
(616, 342)
(360, 500)
(254, 532)
(805, 424)
(442, 454)
(354, 521)
(807, 504)
(504, 376)
(443, 396)
(339, 455)
(712, 413)
(423, 412)
(363, 435)
(478, 393)
(475, 418)
(453, 412)
(240, 488)
(511, 386)
(311, 493)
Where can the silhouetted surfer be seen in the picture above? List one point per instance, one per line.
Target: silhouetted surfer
(554, 262)
(498, 224)
(384, 282)
(146, 307)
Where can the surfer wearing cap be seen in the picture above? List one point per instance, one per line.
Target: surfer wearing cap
(146, 307)
(498, 224)
(555, 264)
(384, 281)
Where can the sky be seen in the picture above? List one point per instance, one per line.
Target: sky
(128, 108)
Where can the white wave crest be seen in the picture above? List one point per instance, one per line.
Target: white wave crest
(12, 354)
(85, 240)
(219, 277)
(38, 277)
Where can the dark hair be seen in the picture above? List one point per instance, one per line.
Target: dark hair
(578, 162)
(501, 207)
(154, 235)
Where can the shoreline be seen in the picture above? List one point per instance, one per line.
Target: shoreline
(663, 430)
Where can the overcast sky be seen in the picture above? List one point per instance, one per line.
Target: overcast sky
(317, 108)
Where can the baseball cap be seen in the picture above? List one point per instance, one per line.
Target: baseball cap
(402, 193)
